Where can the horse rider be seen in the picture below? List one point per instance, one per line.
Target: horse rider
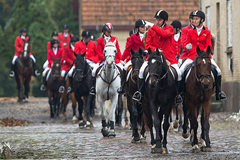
(201, 36)
(176, 38)
(65, 36)
(135, 42)
(159, 37)
(56, 53)
(54, 36)
(19, 42)
(184, 39)
(67, 59)
(107, 37)
(88, 46)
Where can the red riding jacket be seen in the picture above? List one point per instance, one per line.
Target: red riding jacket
(161, 38)
(134, 43)
(19, 42)
(101, 45)
(67, 58)
(52, 55)
(62, 38)
(203, 40)
(183, 41)
(90, 49)
(176, 45)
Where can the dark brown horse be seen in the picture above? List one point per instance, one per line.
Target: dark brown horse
(134, 108)
(160, 91)
(24, 71)
(199, 90)
(53, 84)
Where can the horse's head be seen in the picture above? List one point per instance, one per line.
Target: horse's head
(137, 61)
(56, 68)
(110, 51)
(26, 49)
(157, 67)
(81, 66)
(203, 67)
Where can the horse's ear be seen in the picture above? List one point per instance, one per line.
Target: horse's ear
(75, 54)
(132, 52)
(158, 52)
(209, 50)
(84, 54)
(198, 50)
(149, 50)
(140, 51)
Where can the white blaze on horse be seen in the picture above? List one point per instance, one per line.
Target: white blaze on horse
(107, 82)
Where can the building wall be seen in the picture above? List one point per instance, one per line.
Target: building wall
(122, 36)
(219, 27)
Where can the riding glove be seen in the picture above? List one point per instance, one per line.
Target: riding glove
(189, 46)
(148, 24)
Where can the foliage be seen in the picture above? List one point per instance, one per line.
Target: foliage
(40, 19)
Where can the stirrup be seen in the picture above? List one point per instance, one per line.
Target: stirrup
(37, 73)
(137, 96)
(61, 89)
(178, 100)
(92, 91)
(12, 74)
(69, 90)
(43, 87)
(218, 97)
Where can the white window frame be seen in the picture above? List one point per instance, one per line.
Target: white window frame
(229, 5)
(208, 11)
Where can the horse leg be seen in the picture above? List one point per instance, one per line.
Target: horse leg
(166, 126)
(58, 97)
(205, 140)
(104, 129)
(185, 133)
(171, 129)
(119, 111)
(80, 109)
(50, 104)
(142, 137)
(20, 93)
(126, 113)
(88, 100)
(114, 102)
(134, 113)
(176, 123)
(74, 105)
(180, 111)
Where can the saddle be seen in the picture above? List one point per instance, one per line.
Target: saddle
(128, 72)
(174, 72)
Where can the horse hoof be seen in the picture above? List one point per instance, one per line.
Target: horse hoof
(185, 135)
(111, 134)
(171, 130)
(74, 119)
(143, 139)
(206, 149)
(195, 149)
(164, 150)
(126, 126)
(104, 132)
(135, 139)
(175, 125)
(81, 124)
(156, 150)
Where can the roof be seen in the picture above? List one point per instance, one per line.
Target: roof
(125, 12)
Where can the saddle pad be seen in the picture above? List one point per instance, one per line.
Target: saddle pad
(128, 74)
(48, 74)
(188, 70)
(98, 71)
(174, 72)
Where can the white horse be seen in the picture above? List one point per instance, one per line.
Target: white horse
(107, 82)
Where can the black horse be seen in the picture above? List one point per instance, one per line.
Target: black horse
(53, 84)
(160, 91)
(135, 109)
(82, 83)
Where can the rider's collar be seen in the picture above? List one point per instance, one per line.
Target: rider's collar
(164, 25)
(23, 37)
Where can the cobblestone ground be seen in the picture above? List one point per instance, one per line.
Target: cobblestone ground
(44, 138)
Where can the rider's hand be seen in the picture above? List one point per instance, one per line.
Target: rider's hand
(189, 46)
(148, 24)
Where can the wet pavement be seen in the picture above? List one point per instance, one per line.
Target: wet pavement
(44, 138)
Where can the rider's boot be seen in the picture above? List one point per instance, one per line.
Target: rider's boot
(220, 95)
(62, 87)
(12, 72)
(138, 95)
(178, 98)
(35, 71)
(92, 90)
(43, 86)
(123, 77)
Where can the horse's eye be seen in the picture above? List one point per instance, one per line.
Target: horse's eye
(115, 51)
(105, 51)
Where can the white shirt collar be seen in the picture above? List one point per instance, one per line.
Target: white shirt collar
(107, 38)
(55, 50)
(141, 35)
(65, 35)
(199, 30)
(72, 47)
(176, 36)
(23, 37)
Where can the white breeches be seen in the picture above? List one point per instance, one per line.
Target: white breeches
(15, 57)
(178, 71)
(63, 72)
(45, 71)
(141, 71)
(180, 62)
(120, 66)
(216, 67)
(45, 64)
(184, 65)
(126, 65)
(91, 63)
(71, 71)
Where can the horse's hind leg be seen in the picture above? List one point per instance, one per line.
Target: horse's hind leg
(119, 111)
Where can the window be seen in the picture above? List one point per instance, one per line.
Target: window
(229, 13)
(208, 17)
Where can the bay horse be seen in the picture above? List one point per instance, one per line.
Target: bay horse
(107, 82)
(24, 71)
(160, 91)
(199, 90)
(53, 84)
(135, 109)
(82, 83)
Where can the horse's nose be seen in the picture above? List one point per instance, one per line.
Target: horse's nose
(205, 85)
(152, 83)
(109, 62)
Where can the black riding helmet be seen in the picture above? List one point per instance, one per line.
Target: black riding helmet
(54, 33)
(161, 14)
(191, 14)
(74, 39)
(23, 30)
(107, 27)
(86, 34)
(139, 23)
(53, 41)
(176, 24)
(132, 31)
(65, 26)
(199, 14)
